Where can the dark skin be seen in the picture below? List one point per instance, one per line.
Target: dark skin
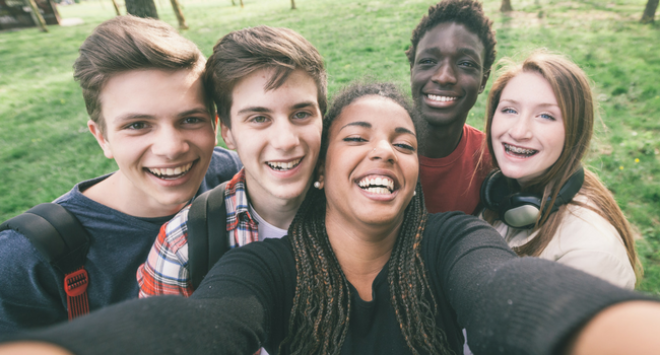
(446, 79)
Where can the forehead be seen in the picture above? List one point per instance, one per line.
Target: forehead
(450, 37)
(529, 87)
(379, 112)
(152, 92)
(251, 90)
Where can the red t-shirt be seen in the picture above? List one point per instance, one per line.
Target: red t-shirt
(448, 182)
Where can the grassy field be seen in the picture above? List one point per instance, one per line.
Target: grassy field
(45, 148)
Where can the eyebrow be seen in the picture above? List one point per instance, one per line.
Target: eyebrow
(368, 125)
(464, 50)
(137, 116)
(518, 103)
(357, 123)
(267, 110)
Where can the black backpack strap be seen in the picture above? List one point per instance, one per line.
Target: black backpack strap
(63, 242)
(207, 232)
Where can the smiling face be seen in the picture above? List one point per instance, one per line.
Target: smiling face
(527, 131)
(276, 133)
(371, 165)
(447, 75)
(160, 133)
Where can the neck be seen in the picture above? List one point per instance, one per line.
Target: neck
(439, 142)
(119, 193)
(362, 250)
(279, 212)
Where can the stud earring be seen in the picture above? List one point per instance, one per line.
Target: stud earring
(317, 185)
(414, 193)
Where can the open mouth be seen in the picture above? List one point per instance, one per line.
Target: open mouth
(171, 173)
(283, 166)
(519, 152)
(381, 185)
(439, 98)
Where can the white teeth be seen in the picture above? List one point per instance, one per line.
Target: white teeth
(519, 150)
(377, 185)
(171, 172)
(441, 98)
(277, 165)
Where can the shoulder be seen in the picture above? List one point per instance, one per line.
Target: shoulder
(594, 230)
(226, 156)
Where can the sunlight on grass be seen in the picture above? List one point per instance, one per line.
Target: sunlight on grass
(45, 148)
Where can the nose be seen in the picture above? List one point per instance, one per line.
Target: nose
(520, 129)
(383, 150)
(445, 74)
(170, 143)
(284, 136)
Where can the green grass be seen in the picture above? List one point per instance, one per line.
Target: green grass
(45, 148)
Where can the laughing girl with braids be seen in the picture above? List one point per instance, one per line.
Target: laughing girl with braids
(365, 270)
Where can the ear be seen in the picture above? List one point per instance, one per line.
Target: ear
(100, 138)
(227, 136)
(215, 128)
(320, 174)
(484, 80)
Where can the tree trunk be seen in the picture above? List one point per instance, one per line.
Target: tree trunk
(114, 4)
(293, 4)
(179, 15)
(649, 12)
(142, 8)
(241, 4)
(36, 15)
(506, 6)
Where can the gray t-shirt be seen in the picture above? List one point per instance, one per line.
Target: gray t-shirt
(32, 294)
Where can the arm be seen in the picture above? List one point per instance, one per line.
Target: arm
(520, 305)
(30, 295)
(240, 306)
(166, 270)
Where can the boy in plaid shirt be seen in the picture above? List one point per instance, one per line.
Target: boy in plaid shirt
(270, 88)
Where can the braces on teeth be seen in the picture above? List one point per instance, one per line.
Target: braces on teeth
(519, 150)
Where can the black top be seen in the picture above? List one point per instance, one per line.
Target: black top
(509, 305)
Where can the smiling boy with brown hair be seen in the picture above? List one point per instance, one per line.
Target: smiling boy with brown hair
(149, 112)
(452, 51)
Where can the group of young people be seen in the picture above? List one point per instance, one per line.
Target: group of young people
(360, 251)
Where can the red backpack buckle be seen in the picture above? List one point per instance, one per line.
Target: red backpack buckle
(76, 282)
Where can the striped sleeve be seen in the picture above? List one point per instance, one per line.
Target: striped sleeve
(166, 270)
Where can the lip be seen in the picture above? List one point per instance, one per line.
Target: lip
(287, 173)
(174, 182)
(379, 197)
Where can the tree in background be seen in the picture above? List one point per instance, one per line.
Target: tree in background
(142, 8)
(649, 12)
(506, 6)
(114, 4)
(293, 4)
(36, 15)
(179, 14)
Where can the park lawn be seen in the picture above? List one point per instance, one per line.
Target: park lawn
(45, 148)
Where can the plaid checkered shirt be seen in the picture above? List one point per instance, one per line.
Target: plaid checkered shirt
(166, 270)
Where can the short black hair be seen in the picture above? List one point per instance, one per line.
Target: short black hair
(466, 12)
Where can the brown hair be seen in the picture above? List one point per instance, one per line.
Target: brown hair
(573, 92)
(468, 13)
(320, 315)
(243, 52)
(127, 43)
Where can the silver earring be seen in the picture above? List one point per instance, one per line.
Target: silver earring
(414, 193)
(317, 185)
